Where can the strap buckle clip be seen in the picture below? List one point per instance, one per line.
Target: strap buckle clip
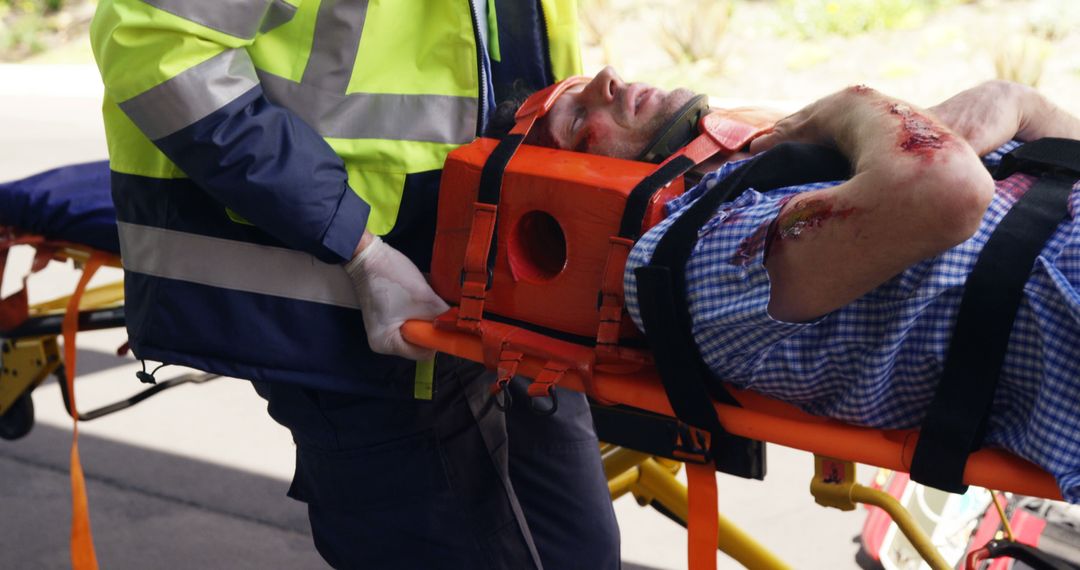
(505, 372)
(692, 444)
(544, 387)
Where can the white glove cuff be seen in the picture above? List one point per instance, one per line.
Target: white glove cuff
(354, 264)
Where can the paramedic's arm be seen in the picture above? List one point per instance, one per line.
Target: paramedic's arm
(916, 191)
(182, 76)
(992, 113)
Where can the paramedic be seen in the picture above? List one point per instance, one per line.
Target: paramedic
(257, 146)
(840, 297)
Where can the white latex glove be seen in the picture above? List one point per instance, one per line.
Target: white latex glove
(391, 290)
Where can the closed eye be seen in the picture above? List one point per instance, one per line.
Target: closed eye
(574, 136)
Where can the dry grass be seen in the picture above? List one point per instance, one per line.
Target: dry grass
(696, 31)
(1022, 59)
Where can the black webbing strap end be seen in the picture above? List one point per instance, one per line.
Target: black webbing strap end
(1042, 156)
(957, 417)
(677, 361)
(938, 463)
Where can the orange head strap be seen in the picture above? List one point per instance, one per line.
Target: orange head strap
(539, 103)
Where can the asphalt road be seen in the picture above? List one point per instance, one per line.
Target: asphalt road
(195, 478)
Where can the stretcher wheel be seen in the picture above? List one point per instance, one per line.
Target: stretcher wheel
(19, 418)
(667, 512)
(866, 561)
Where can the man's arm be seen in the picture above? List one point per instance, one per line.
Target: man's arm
(917, 190)
(992, 113)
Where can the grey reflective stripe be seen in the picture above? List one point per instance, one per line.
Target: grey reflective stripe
(426, 118)
(192, 95)
(238, 18)
(338, 28)
(234, 265)
(279, 13)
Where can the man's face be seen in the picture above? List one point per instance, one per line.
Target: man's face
(609, 117)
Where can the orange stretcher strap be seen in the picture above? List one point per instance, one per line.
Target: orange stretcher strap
(83, 556)
(475, 278)
(760, 418)
(703, 524)
(15, 309)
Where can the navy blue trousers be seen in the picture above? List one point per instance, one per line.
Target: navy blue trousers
(453, 482)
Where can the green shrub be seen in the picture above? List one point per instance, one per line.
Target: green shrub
(812, 19)
(27, 25)
(32, 6)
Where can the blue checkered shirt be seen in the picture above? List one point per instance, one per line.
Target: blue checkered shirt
(876, 362)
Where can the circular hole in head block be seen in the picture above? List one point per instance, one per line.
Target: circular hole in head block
(537, 249)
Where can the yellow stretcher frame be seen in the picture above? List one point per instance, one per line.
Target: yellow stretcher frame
(651, 480)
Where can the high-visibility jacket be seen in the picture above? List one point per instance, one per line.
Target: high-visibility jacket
(252, 141)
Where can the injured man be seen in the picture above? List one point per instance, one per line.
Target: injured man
(841, 297)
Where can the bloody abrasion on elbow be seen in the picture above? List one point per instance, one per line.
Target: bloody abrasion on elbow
(918, 135)
(807, 215)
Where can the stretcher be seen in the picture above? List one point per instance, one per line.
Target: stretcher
(523, 310)
(64, 215)
(836, 446)
(31, 353)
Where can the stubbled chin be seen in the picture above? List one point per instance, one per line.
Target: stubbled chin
(679, 97)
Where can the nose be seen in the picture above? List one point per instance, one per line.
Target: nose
(604, 86)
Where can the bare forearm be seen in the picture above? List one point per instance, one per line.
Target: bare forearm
(1042, 118)
(917, 189)
(995, 112)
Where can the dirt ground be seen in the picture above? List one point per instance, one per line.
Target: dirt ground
(760, 58)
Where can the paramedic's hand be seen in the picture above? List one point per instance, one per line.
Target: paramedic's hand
(391, 290)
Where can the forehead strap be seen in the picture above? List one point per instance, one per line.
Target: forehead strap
(539, 103)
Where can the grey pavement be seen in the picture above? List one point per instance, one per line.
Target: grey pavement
(149, 509)
(196, 477)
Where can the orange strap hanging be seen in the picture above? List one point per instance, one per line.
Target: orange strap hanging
(703, 524)
(15, 309)
(83, 556)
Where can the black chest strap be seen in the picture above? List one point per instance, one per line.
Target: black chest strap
(662, 297)
(956, 420)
